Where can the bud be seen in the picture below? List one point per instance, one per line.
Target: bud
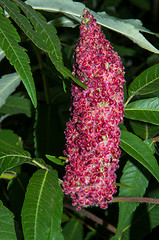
(92, 133)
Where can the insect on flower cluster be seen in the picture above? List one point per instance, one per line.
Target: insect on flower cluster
(92, 133)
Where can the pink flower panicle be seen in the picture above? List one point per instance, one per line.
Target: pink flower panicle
(92, 133)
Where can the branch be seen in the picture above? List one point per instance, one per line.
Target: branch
(115, 199)
(136, 199)
(92, 217)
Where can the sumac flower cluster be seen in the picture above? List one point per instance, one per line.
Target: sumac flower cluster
(92, 133)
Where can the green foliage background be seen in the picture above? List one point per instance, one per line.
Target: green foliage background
(37, 40)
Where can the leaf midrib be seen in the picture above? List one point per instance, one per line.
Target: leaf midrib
(15, 155)
(10, 83)
(141, 109)
(38, 204)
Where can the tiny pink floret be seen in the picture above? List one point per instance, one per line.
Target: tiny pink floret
(92, 133)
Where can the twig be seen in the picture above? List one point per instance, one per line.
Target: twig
(136, 199)
(155, 139)
(92, 217)
(115, 199)
(81, 220)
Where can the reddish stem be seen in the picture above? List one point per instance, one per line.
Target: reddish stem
(92, 217)
(136, 199)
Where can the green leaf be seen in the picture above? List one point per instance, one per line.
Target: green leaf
(11, 156)
(16, 55)
(14, 12)
(16, 105)
(115, 238)
(144, 219)
(50, 38)
(55, 160)
(42, 208)
(73, 230)
(41, 26)
(153, 209)
(150, 143)
(10, 138)
(1, 10)
(48, 32)
(59, 235)
(134, 177)
(8, 175)
(144, 130)
(129, 27)
(146, 82)
(16, 191)
(2, 54)
(8, 84)
(65, 218)
(90, 235)
(134, 146)
(7, 231)
(146, 110)
(63, 22)
(44, 36)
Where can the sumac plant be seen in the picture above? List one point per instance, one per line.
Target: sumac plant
(79, 120)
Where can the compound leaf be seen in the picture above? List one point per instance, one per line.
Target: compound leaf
(129, 27)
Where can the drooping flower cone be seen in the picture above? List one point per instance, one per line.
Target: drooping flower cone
(92, 133)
